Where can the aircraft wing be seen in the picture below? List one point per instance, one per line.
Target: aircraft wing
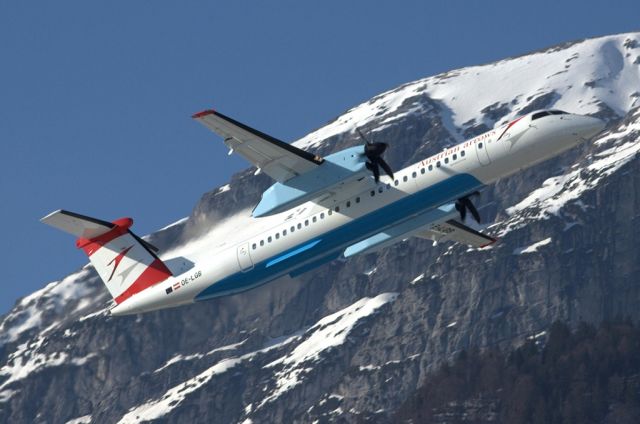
(456, 231)
(280, 160)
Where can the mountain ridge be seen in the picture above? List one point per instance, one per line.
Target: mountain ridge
(59, 346)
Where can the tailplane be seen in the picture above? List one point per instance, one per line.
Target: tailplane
(126, 263)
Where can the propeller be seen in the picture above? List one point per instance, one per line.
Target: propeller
(464, 203)
(373, 152)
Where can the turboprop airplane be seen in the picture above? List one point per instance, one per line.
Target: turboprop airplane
(324, 208)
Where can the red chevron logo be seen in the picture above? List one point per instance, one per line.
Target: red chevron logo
(117, 260)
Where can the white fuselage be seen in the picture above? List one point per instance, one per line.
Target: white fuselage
(320, 231)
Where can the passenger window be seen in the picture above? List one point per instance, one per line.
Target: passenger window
(380, 189)
(446, 160)
(348, 203)
(269, 239)
(253, 246)
(306, 222)
(299, 225)
(430, 167)
(357, 200)
(405, 178)
(480, 145)
(373, 193)
(293, 229)
(261, 242)
(396, 182)
(284, 233)
(314, 219)
(438, 164)
(277, 236)
(414, 174)
(423, 170)
(455, 156)
(337, 208)
(330, 212)
(322, 215)
(462, 153)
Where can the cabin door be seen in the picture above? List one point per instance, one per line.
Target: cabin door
(483, 152)
(244, 258)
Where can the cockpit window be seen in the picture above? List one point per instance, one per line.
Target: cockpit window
(539, 115)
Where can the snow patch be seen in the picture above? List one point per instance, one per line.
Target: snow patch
(180, 358)
(224, 188)
(156, 408)
(533, 248)
(53, 296)
(20, 367)
(80, 420)
(326, 334)
(178, 222)
(418, 278)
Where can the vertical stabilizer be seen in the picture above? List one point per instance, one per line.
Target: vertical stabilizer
(126, 263)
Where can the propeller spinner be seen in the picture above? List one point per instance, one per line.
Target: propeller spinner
(374, 152)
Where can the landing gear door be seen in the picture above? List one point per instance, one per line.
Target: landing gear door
(244, 258)
(483, 152)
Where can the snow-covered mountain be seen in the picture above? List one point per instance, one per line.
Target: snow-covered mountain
(353, 339)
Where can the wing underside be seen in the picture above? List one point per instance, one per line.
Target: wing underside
(456, 231)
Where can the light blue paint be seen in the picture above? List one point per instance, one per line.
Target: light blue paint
(292, 253)
(390, 235)
(336, 168)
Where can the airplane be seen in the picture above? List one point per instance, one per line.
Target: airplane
(324, 208)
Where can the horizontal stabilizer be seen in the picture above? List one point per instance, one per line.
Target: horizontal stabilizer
(80, 226)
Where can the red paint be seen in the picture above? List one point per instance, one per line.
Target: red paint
(116, 261)
(155, 273)
(90, 246)
(511, 124)
(489, 244)
(203, 113)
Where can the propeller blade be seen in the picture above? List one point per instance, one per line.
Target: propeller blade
(472, 209)
(362, 136)
(464, 203)
(462, 210)
(385, 166)
(469, 205)
(373, 152)
(373, 166)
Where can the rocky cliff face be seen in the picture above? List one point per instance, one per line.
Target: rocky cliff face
(351, 340)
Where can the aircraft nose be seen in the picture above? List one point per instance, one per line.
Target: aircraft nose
(590, 126)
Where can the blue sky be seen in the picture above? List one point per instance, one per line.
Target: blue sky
(96, 97)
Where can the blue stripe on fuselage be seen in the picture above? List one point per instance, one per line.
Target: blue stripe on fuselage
(291, 253)
(340, 238)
